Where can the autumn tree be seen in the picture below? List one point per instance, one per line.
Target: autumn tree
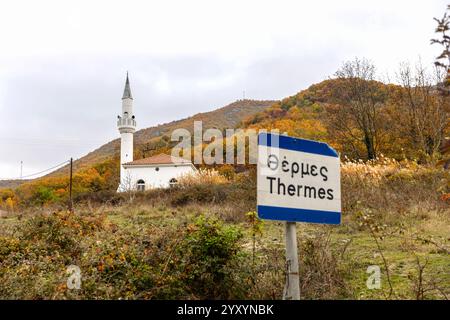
(443, 60)
(8, 199)
(422, 111)
(357, 117)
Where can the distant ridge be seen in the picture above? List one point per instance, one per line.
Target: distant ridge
(11, 183)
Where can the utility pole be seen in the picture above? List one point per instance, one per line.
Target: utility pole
(21, 170)
(70, 186)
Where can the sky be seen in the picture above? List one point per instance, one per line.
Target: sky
(63, 63)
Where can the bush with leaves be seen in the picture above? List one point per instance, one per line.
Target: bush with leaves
(209, 250)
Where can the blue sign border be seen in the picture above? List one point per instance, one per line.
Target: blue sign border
(297, 214)
(296, 144)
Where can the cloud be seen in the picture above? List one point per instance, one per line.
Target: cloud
(63, 64)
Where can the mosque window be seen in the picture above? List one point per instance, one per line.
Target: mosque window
(141, 185)
(173, 182)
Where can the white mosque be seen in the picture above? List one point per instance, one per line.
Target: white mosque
(160, 171)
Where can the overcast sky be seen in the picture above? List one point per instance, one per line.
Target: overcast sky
(63, 63)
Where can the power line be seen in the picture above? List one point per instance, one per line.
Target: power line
(40, 172)
(49, 169)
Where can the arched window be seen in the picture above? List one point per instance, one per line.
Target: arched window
(140, 185)
(173, 182)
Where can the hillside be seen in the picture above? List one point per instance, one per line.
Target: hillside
(306, 114)
(11, 183)
(403, 122)
(316, 113)
(229, 116)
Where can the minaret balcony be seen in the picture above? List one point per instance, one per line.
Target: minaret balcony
(126, 123)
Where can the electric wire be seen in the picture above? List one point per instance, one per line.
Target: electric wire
(40, 172)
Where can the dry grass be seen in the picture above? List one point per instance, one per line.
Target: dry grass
(203, 177)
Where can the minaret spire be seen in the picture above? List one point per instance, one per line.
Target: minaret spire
(127, 90)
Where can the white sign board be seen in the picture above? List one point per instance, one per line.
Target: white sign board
(298, 180)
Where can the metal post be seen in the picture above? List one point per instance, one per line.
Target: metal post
(292, 288)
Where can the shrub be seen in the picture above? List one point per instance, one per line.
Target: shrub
(208, 251)
(44, 196)
(59, 231)
(202, 176)
(101, 197)
(227, 171)
(200, 193)
(321, 268)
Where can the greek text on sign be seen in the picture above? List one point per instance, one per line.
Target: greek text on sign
(298, 180)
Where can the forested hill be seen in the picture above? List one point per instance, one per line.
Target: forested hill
(353, 115)
(229, 116)
(364, 119)
(360, 119)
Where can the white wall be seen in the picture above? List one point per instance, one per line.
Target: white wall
(126, 152)
(156, 179)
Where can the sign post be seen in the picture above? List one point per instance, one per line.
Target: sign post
(292, 287)
(298, 181)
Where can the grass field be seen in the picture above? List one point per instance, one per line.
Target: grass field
(202, 242)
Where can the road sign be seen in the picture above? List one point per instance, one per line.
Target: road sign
(298, 180)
